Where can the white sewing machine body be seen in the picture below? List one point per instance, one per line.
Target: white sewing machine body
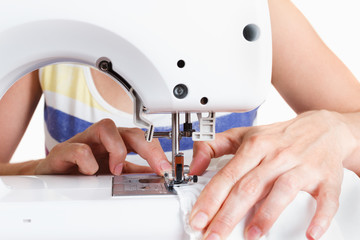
(144, 40)
(219, 50)
(81, 207)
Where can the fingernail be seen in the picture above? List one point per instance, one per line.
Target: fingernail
(165, 166)
(253, 233)
(316, 232)
(213, 236)
(199, 221)
(118, 169)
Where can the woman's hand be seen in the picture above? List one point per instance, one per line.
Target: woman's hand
(102, 148)
(273, 163)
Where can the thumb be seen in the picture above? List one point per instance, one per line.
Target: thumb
(225, 143)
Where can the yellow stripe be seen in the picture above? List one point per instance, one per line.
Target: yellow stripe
(69, 81)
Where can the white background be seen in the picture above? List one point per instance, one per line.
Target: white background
(336, 21)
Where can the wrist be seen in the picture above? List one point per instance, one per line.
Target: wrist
(352, 123)
(22, 168)
(28, 168)
(39, 167)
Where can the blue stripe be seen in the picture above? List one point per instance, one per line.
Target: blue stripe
(62, 126)
(222, 124)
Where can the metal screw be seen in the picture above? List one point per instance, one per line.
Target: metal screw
(104, 66)
(180, 91)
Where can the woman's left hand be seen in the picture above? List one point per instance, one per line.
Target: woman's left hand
(272, 163)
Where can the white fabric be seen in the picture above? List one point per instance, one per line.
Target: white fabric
(294, 221)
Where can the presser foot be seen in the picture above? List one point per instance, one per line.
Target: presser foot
(171, 182)
(180, 174)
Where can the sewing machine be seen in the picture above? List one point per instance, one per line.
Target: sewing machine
(176, 57)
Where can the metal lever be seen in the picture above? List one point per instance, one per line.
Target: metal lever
(138, 116)
(104, 64)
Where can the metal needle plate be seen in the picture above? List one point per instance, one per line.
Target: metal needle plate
(139, 184)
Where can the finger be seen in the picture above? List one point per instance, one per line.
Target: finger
(152, 151)
(224, 143)
(202, 155)
(74, 154)
(106, 134)
(250, 189)
(284, 191)
(250, 154)
(244, 195)
(134, 168)
(84, 159)
(327, 206)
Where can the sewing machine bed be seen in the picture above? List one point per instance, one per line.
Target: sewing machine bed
(82, 207)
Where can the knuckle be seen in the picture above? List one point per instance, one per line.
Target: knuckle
(249, 186)
(136, 130)
(255, 142)
(228, 175)
(87, 171)
(154, 149)
(121, 153)
(325, 114)
(225, 222)
(79, 151)
(288, 183)
(332, 199)
(265, 216)
(58, 147)
(133, 131)
(105, 124)
(210, 200)
(207, 149)
(286, 155)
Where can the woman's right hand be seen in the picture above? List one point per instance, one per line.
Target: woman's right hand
(102, 148)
